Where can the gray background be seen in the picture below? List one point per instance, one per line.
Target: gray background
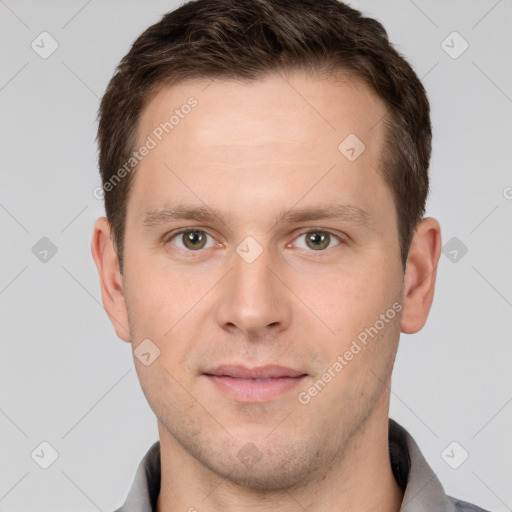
(65, 378)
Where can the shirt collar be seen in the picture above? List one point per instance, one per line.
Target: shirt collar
(423, 490)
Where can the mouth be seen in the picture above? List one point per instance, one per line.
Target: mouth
(254, 385)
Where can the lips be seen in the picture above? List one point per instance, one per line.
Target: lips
(260, 372)
(254, 385)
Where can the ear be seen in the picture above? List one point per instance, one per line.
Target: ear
(420, 275)
(111, 279)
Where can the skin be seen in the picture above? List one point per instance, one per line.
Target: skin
(251, 150)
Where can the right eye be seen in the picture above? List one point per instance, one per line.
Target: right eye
(190, 239)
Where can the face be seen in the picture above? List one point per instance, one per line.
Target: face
(262, 260)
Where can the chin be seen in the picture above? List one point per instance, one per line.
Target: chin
(272, 476)
(265, 466)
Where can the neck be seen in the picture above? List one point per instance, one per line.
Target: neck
(362, 480)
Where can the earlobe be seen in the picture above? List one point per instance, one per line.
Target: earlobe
(420, 275)
(111, 281)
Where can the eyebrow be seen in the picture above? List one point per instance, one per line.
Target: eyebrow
(154, 217)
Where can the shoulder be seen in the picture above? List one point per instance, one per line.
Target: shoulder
(464, 506)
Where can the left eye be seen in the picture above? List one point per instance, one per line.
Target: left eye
(317, 240)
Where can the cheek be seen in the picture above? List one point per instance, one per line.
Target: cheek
(163, 388)
(172, 310)
(353, 299)
(363, 309)
(158, 298)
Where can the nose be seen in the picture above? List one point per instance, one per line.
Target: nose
(253, 299)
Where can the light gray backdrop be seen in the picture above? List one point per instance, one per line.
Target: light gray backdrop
(67, 380)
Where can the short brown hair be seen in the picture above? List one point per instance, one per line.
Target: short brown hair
(247, 40)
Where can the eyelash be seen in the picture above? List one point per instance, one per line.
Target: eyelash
(189, 251)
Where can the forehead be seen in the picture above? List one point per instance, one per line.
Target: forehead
(228, 112)
(279, 135)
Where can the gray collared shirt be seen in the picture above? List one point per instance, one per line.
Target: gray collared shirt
(422, 489)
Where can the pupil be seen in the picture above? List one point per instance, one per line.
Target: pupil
(318, 240)
(194, 237)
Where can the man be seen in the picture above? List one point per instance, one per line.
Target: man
(265, 168)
